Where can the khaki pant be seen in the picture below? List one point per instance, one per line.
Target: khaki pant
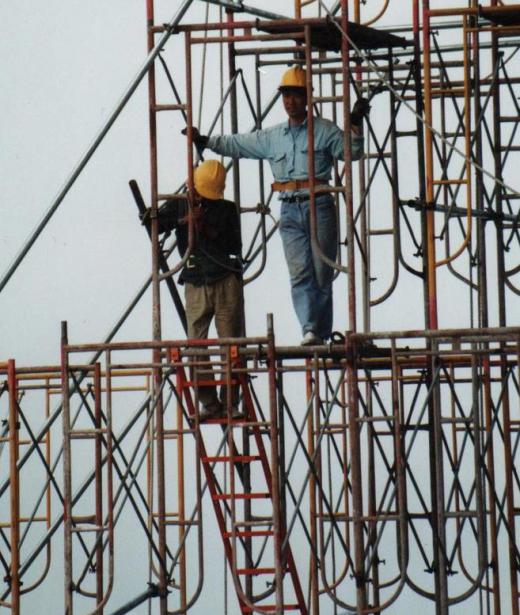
(223, 300)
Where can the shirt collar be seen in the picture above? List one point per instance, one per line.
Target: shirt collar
(287, 127)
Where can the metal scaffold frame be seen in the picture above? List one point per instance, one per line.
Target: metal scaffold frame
(373, 475)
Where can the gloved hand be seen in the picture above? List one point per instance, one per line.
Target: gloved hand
(145, 216)
(201, 141)
(360, 110)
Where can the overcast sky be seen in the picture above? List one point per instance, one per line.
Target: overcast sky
(65, 65)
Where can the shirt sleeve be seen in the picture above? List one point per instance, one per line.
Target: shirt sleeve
(335, 141)
(170, 213)
(248, 145)
(234, 234)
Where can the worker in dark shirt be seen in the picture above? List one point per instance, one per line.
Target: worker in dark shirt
(212, 274)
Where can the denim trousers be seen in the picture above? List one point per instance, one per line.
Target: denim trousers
(311, 278)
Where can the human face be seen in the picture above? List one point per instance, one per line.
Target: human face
(295, 105)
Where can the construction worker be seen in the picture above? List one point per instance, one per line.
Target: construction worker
(212, 274)
(285, 146)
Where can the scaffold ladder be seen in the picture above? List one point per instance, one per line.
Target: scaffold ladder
(244, 533)
(97, 523)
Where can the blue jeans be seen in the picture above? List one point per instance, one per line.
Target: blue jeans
(311, 278)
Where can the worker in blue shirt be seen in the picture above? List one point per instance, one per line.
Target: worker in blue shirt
(285, 146)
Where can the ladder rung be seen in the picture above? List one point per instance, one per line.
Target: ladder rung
(83, 434)
(255, 521)
(167, 195)
(461, 513)
(83, 518)
(255, 571)
(510, 148)
(382, 231)
(448, 92)
(343, 517)
(326, 99)
(456, 419)
(171, 107)
(88, 528)
(241, 496)
(406, 133)
(211, 383)
(377, 155)
(208, 383)
(455, 135)
(220, 419)
(271, 608)
(326, 189)
(248, 533)
(176, 432)
(510, 118)
(375, 419)
(31, 519)
(449, 182)
(231, 458)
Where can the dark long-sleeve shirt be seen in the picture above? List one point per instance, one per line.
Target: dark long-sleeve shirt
(217, 240)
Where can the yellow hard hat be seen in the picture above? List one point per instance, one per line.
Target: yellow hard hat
(295, 77)
(210, 179)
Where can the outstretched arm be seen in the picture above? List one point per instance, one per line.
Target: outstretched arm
(247, 145)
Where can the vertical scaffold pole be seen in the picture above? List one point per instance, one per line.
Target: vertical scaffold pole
(419, 105)
(356, 477)
(496, 60)
(15, 487)
(67, 484)
(314, 587)
(278, 528)
(156, 318)
(345, 73)
(438, 500)
(98, 482)
(233, 106)
(431, 274)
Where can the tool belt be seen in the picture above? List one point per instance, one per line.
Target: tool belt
(295, 184)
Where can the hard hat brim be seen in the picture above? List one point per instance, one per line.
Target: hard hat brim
(287, 89)
(207, 193)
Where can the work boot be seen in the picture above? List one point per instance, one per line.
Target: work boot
(311, 339)
(236, 413)
(212, 410)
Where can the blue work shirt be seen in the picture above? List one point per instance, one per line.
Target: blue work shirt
(286, 149)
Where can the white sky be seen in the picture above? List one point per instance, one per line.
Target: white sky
(64, 66)
(67, 65)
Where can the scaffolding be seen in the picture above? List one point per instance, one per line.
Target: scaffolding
(374, 474)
